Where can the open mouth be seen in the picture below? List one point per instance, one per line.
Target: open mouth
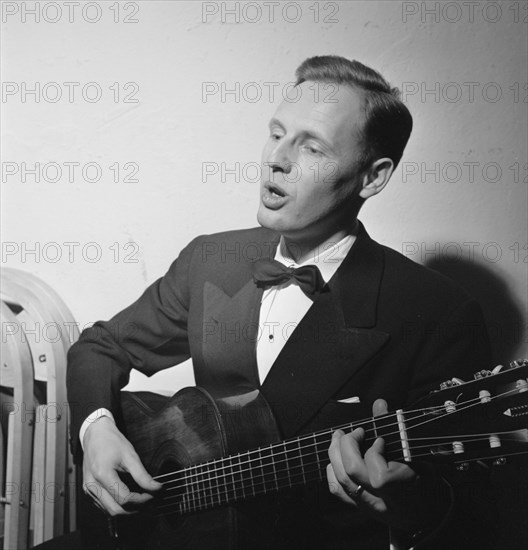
(275, 190)
(273, 197)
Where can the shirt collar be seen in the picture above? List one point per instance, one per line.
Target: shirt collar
(328, 256)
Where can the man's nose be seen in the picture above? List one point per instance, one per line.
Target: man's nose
(280, 158)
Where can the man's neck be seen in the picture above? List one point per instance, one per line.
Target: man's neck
(301, 249)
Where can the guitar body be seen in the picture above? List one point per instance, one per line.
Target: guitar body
(191, 427)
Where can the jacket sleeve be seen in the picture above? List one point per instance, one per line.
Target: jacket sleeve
(149, 335)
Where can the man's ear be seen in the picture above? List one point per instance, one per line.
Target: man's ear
(376, 177)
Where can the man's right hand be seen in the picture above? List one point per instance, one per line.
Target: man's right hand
(107, 452)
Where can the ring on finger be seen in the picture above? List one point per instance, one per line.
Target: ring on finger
(357, 492)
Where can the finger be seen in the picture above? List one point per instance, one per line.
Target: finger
(383, 474)
(335, 487)
(335, 455)
(334, 450)
(118, 491)
(101, 498)
(136, 469)
(380, 407)
(352, 458)
(110, 505)
(348, 468)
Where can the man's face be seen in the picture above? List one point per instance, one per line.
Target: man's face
(310, 154)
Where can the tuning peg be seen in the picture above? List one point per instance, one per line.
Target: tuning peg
(482, 374)
(501, 461)
(485, 396)
(494, 441)
(451, 383)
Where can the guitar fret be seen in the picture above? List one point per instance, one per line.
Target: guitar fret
(301, 459)
(217, 485)
(186, 501)
(203, 488)
(287, 464)
(269, 472)
(197, 476)
(186, 493)
(195, 490)
(241, 477)
(262, 470)
(274, 469)
(228, 498)
(249, 472)
(209, 488)
(317, 456)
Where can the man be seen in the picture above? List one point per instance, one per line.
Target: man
(369, 324)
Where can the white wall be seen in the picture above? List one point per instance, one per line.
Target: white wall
(173, 48)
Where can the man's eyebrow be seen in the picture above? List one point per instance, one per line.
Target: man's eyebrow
(275, 122)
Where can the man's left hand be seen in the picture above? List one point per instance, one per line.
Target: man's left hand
(408, 498)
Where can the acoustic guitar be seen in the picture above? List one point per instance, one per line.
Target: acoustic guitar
(197, 445)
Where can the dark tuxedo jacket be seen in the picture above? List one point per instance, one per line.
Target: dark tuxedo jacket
(385, 328)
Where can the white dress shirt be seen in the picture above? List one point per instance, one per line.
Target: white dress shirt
(283, 306)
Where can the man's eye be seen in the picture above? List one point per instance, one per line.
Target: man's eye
(275, 137)
(312, 150)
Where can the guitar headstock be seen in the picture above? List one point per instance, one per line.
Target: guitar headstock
(482, 419)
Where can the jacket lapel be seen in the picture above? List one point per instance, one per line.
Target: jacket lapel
(333, 341)
(231, 320)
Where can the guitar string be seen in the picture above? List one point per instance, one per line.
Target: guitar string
(466, 435)
(177, 475)
(196, 504)
(274, 453)
(255, 490)
(324, 432)
(470, 438)
(260, 458)
(462, 438)
(193, 502)
(303, 465)
(285, 451)
(190, 507)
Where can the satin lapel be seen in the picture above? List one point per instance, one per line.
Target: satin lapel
(332, 342)
(229, 323)
(231, 327)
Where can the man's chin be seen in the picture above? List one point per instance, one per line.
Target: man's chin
(268, 218)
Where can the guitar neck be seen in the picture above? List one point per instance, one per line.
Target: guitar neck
(278, 466)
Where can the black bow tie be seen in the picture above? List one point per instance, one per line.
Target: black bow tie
(271, 273)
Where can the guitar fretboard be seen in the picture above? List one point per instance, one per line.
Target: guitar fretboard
(292, 462)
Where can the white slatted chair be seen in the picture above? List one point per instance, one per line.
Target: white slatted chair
(50, 330)
(17, 374)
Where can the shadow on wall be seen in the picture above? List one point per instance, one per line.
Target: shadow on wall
(504, 317)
